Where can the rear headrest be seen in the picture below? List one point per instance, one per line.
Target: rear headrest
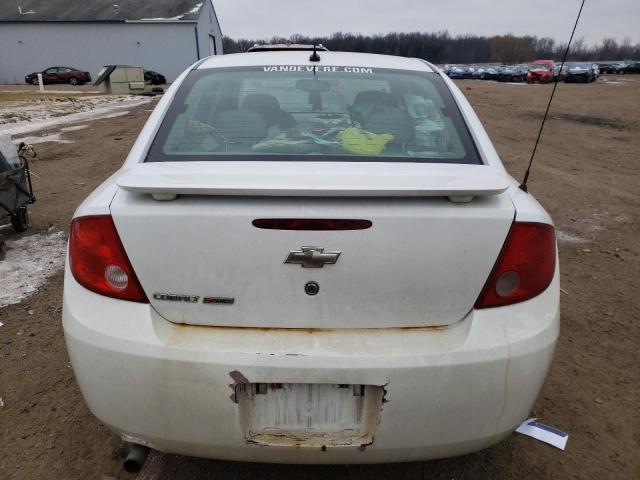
(261, 103)
(375, 97)
(269, 107)
(393, 121)
(241, 126)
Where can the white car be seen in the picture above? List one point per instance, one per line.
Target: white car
(312, 260)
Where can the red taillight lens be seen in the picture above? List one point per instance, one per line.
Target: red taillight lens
(98, 260)
(525, 267)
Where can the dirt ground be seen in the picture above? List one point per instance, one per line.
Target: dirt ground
(588, 177)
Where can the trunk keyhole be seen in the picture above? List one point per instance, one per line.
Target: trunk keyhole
(312, 288)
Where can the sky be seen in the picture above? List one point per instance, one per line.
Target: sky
(542, 18)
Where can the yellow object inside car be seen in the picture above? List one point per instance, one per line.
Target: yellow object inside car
(361, 142)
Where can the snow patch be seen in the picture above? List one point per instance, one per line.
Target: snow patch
(18, 118)
(57, 137)
(29, 262)
(193, 11)
(74, 128)
(64, 92)
(162, 19)
(117, 114)
(565, 237)
(51, 138)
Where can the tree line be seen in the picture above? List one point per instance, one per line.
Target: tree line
(442, 47)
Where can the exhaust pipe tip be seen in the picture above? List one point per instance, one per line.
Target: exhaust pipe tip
(136, 456)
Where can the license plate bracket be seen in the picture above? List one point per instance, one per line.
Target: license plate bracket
(310, 415)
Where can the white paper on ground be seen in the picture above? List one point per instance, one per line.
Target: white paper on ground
(544, 433)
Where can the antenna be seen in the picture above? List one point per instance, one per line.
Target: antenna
(314, 56)
(523, 186)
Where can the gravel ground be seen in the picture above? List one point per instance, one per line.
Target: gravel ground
(587, 175)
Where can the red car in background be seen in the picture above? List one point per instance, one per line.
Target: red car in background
(69, 75)
(541, 71)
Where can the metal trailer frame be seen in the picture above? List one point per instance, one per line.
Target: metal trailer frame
(16, 191)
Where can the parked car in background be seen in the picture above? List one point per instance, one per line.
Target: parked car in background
(557, 74)
(579, 73)
(484, 73)
(633, 67)
(456, 73)
(539, 74)
(504, 73)
(373, 352)
(69, 75)
(521, 73)
(608, 68)
(154, 78)
(513, 73)
(477, 73)
(460, 72)
(541, 71)
(491, 74)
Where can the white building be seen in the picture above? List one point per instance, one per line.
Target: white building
(161, 35)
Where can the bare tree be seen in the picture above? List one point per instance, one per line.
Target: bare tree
(511, 49)
(441, 47)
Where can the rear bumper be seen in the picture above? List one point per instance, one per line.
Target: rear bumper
(448, 391)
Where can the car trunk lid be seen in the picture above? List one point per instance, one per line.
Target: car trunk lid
(422, 261)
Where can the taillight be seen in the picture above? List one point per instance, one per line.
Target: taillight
(98, 260)
(525, 267)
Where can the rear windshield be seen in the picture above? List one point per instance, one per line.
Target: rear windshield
(308, 113)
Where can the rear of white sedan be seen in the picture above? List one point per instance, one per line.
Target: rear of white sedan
(312, 262)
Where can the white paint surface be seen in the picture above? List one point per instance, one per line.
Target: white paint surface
(450, 390)
(30, 261)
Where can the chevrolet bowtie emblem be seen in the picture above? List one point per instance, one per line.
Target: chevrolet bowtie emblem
(312, 257)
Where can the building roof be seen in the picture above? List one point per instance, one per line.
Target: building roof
(99, 10)
(327, 59)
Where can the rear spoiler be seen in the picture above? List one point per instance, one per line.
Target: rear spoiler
(459, 183)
